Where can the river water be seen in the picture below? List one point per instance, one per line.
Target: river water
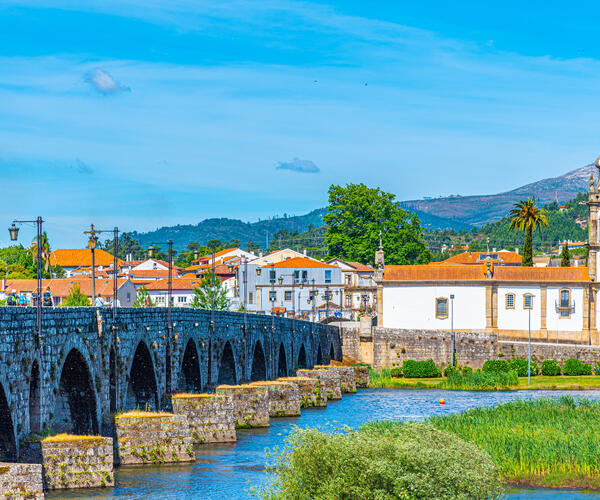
(228, 471)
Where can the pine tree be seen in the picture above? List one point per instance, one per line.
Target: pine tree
(76, 298)
(210, 294)
(565, 256)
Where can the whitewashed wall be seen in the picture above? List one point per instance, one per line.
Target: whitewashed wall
(554, 322)
(413, 307)
(518, 318)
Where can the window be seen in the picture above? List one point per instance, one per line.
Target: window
(441, 308)
(348, 300)
(181, 299)
(565, 303)
(287, 295)
(527, 301)
(304, 276)
(510, 301)
(273, 296)
(348, 279)
(250, 297)
(272, 276)
(296, 276)
(327, 276)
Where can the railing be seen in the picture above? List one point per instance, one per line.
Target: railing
(564, 310)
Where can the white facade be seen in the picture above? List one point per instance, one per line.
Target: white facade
(517, 316)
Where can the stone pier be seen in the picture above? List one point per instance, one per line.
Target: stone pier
(250, 404)
(77, 461)
(361, 376)
(309, 391)
(329, 381)
(284, 398)
(19, 481)
(210, 416)
(153, 438)
(347, 377)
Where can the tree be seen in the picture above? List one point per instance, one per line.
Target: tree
(142, 298)
(211, 293)
(128, 245)
(252, 247)
(356, 214)
(565, 257)
(526, 216)
(45, 250)
(76, 298)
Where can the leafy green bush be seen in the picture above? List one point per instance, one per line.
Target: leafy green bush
(575, 367)
(467, 370)
(450, 369)
(383, 460)
(550, 368)
(520, 366)
(396, 372)
(597, 369)
(420, 369)
(481, 381)
(496, 366)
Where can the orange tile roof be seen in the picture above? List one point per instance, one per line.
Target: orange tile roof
(61, 287)
(78, 257)
(361, 267)
(178, 284)
(453, 272)
(302, 262)
(151, 273)
(473, 258)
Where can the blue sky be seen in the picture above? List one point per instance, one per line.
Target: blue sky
(145, 113)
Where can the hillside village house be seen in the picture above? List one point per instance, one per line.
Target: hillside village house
(183, 288)
(499, 299)
(72, 259)
(360, 289)
(60, 289)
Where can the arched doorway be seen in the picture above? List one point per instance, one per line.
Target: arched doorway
(259, 365)
(302, 358)
(35, 417)
(141, 390)
(282, 370)
(227, 373)
(189, 378)
(75, 406)
(113, 380)
(168, 368)
(8, 447)
(319, 356)
(331, 353)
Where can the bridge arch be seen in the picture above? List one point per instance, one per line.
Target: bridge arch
(8, 443)
(319, 355)
(259, 363)
(331, 353)
(112, 380)
(168, 373)
(189, 375)
(282, 368)
(142, 388)
(227, 371)
(35, 390)
(75, 409)
(302, 358)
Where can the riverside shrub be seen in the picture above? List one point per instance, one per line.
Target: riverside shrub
(575, 367)
(420, 369)
(396, 372)
(550, 368)
(383, 460)
(481, 381)
(496, 366)
(520, 366)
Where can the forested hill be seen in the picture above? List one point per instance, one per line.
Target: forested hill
(231, 229)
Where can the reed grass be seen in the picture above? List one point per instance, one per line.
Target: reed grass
(481, 381)
(538, 442)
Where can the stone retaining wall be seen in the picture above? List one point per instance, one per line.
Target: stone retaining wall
(546, 350)
(347, 378)
(77, 462)
(284, 398)
(18, 481)
(250, 404)
(309, 391)
(153, 438)
(329, 381)
(210, 416)
(361, 376)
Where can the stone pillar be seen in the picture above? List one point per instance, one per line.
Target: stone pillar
(586, 311)
(21, 481)
(380, 304)
(250, 404)
(489, 308)
(210, 416)
(329, 381)
(284, 398)
(494, 307)
(347, 377)
(543, 310)
(593, 329)
(308, 390)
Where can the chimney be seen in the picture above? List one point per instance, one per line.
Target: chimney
(494, 250)
(517, 251)
(305, 251)
(3, 284)
(260, 254)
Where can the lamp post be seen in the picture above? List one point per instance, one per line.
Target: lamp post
(14, 234)
(529, 342)
(452, 348)
(151, 251)
(92, 243)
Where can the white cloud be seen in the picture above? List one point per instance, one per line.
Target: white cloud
(104, 83)
(298, 165)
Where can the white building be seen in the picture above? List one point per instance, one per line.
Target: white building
(360, 289)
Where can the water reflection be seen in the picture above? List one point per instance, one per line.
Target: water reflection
(228, 471)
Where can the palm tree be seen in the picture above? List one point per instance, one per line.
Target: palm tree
(45, 246)
(526, 216)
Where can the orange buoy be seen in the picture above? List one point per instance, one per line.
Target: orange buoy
(442, 401)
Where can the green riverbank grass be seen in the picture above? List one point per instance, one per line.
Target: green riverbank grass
(541, 442)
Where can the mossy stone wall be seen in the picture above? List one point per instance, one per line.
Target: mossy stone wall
(361, 376)
(210, 417)
(18, 481)
(250, 404)
(284, 398)
(347, 377)
(329, 381)
(309, 391)
(78, 463)
(149, 439)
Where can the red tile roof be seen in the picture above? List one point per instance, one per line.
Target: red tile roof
(473, 258)
(361, 267)
(78, 257)
(301, 262)
(61, 287)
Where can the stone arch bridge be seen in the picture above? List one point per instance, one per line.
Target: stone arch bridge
(87, 366)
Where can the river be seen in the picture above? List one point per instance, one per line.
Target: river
(227, 472)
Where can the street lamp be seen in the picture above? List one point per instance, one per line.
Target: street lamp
(452, 348)
(151, 251)
(92, 243)
(529, 339)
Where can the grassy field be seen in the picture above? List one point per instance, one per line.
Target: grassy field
(541, 442)
(382, 379)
